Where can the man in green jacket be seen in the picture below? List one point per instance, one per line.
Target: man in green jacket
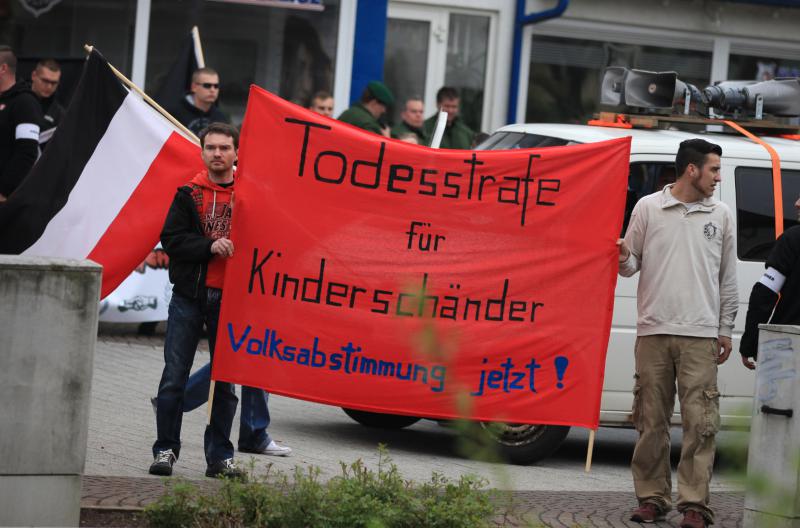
(457, 135)
(413, 121)
(369, 109)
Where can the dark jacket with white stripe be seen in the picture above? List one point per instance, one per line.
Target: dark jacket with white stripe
(52, 113)
(20, 118)
(775, 307)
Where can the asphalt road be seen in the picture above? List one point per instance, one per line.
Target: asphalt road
(122, 429)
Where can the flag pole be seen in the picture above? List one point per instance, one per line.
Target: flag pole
(127, 82)
(590, 450)
(201, 63)
(198, 48)
(210, 401)
(441, 122)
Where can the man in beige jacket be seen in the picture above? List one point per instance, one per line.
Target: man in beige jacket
(682, 241)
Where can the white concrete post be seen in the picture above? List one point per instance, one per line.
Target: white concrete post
(774, 449)
(48, 330)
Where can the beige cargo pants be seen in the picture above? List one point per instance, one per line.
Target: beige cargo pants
(661, 360)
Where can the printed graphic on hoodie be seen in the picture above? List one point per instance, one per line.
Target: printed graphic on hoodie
(215, 208)
(217, 221)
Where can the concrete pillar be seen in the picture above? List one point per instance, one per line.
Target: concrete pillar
(774, 451)
(48, 330)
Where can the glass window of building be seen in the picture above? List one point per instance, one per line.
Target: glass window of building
(403, 67)
(749, 67)
(467, 43)
(565, 74)
(290, 52)
(58, 29)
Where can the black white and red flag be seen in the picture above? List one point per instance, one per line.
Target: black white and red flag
(102, 188)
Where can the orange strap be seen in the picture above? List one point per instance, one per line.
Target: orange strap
(777, 184)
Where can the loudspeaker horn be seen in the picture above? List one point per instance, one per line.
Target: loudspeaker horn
(612, 89)
(781, 96)
(645, 89)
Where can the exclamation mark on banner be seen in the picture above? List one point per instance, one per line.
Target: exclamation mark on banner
(561, 367)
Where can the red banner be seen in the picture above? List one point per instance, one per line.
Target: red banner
(377, 275)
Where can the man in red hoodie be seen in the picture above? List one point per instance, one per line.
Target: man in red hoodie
(196, 238)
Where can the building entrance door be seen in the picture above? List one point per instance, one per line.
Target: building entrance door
(428, 47)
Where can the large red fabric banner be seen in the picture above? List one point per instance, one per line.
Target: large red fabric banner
(378, 275)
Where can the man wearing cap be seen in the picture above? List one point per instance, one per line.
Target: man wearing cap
(367, 112)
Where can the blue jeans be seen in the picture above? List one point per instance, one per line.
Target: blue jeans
(253, 421)
(184, 325)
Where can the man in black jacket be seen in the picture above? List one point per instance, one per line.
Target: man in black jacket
(196, 236)
(199, 108)
(20, 116)
(44, 83)
(778, 289)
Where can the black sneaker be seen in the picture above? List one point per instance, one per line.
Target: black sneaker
(225, 469)
(162, 465)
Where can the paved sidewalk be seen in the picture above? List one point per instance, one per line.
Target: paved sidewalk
(550, 508)
(555, 492)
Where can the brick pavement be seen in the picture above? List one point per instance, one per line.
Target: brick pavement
(121, 431)
(557, 509)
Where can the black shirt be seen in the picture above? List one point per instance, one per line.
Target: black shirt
(195, 119)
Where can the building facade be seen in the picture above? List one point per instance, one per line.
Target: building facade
(512, 60)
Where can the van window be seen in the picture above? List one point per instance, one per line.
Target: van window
(644, 179)
(755, 210)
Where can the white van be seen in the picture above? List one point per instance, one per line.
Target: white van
(746, 187)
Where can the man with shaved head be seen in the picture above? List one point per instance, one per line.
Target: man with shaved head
(413, 121)
(198, 108)
(45, 79)
(20, 118)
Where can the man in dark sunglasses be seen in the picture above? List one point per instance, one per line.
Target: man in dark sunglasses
(198, 108)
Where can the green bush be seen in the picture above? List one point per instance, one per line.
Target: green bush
(359, 497)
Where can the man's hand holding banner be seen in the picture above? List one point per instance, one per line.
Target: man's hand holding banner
(377, 275)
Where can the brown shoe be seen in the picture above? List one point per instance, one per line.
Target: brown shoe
(693, 519)
(647, 512)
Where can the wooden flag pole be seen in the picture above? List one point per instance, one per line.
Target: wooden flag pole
(210, 400)
(590, 450)
(127, 82)
(198, 48)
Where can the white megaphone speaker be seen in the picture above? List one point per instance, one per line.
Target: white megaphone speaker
(645, 89)
(612, 89)
(780, 97)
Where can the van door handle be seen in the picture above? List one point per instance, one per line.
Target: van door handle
(766, 409)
